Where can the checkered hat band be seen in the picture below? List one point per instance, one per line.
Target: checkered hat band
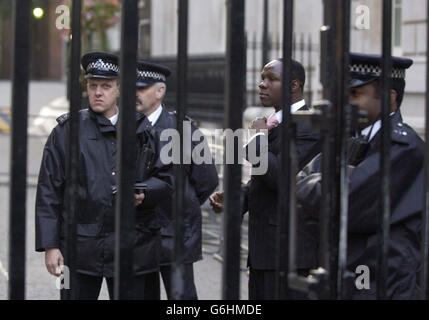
(376, 70)
(150, 74)
(101, 65)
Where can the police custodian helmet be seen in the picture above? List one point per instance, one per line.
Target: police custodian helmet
(149, 73)
(365, 68)
(101, 65)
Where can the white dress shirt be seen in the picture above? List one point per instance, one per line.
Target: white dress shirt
(154, 116)
(279, 115)
(375, 128)
(293, 108)
(114, 119)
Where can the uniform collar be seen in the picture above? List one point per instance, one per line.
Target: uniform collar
(373, 129)
(154, 116)
(104, 123)
(114, 118)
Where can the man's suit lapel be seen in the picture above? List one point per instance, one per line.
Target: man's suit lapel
(303, 128)
(275, 133)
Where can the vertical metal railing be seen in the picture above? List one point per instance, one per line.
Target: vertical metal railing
(335, 125)
(326, 250)
(265, 38)
(73, 153)
(425, 232)
(335, 40)
(384, 219)
(330, 174)
(276, 46)
(254, 67)
(327, 191)
(179, 173)
(126, 160)
(343, 121)
(310, 71)
(18, 146)
(285, 205)
(234, 102)
(294, 46)
(333, 228)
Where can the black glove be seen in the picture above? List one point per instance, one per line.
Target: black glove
(357, 150)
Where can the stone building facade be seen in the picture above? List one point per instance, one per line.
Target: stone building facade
(207, 36)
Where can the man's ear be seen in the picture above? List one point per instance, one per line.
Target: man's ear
(295, 85)
(393, 101)
(160, 91)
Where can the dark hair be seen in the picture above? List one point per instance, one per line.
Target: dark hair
(298, 72)
(398, 85)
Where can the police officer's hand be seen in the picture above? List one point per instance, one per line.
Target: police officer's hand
(138, 199)
(54, 261)
(216, 201)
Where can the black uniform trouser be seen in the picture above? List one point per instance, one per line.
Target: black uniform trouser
(262, 285)
(146, 287)
(190, 291)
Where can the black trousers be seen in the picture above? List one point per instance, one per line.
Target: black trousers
(190, 291)
(262, 285)
(146, 287)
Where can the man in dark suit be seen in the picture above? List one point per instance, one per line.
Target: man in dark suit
(260, 194)
(201, 179)
(406, 186)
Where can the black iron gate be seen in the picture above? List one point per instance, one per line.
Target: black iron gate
(333, 117)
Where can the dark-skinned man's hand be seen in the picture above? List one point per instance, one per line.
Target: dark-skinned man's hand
(260, 124)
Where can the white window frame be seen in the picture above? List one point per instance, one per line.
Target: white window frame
(397, 48)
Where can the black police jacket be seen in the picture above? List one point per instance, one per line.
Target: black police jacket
(260, 197)
(95, 200)
(406, 158)
(200, 182)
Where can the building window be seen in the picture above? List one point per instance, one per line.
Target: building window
(144, 28)
(397, 27)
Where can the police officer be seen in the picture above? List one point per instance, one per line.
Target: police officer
(95, 191)
(200, 181)
(406, 186)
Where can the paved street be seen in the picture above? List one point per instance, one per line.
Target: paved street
(47, 98)
(40, 285)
